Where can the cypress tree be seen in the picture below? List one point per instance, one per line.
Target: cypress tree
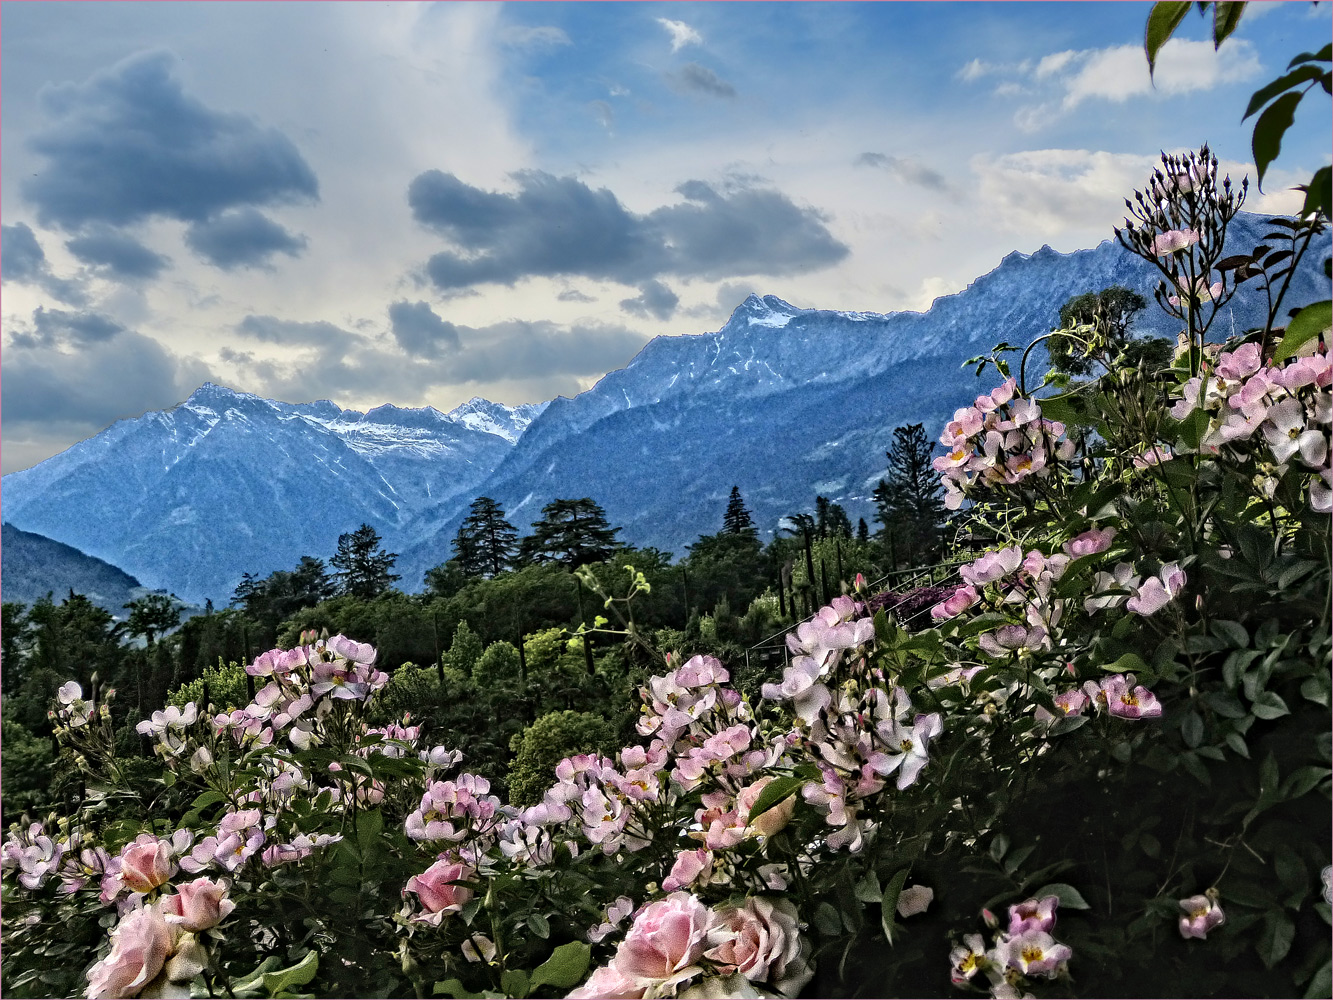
(362, 565)
(737, 520)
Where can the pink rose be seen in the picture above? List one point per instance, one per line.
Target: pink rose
(608, 984)
(762, 941)
(198, 905)
(140, 946)
(690, 867)
(146, 863)
(1090, 542)
(666, 941)
(436, 893)
(1201, 914)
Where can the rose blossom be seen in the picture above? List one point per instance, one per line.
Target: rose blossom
(771, 820)
(140, 946)
(665, 942)
(1090, 542)
(690, 867)
(760, 940)
(146, 863)
(608, 984)
(1201, 915)
(198, 905)
(436, 893)
(1033, 915)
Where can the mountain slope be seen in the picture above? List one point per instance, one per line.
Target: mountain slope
(788, 403)
(188, 499)
(35, 565)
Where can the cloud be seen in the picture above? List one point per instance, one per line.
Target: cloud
(693, 78)
(574, 295)
(905, 169)
(25, 262)
(604, 113)
(242, 237)
(560, 226)
(1121, 72)
(50, 390)
(1052, 192)
(121, 255)
(313, 333)
(521, 36)
(130, 144)
(976, 69)
(57, 327)
(654, 300)
(681, 34)
(419, 331)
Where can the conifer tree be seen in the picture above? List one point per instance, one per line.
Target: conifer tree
(908, 498)
(737, 520)
(572, 533)
(362, 566)
(486, 542)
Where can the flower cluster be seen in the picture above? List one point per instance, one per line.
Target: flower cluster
(679, 938)
(1285, 410)
(1024, 950)
(1000, 440)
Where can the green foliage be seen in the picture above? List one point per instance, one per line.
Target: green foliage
(486, 543)
(465, 651)
(542, 746)
(497, 667)
(571, 533)
(908, 500)
(362, 567)
(226, 685)
(26, 769)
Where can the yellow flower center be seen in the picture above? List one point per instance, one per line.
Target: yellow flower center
(1032, 954)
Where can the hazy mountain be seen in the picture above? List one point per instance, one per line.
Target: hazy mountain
(188, 499)
(35, 565)
(785, 403)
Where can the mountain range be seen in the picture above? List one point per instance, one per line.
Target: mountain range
(786, 403)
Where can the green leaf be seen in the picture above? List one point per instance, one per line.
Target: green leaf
(1268, 777)
(1191, 729)
(1270, 90)
(540, 926)
(1318, 197)
(868, 890)
(1322, 983)
(453, 988)
(1269, 130)
(1302, 780)
(1304, 327)
(1067, 724)
(1192, 428)
(1269, 705)
(998, 846)
(1323, 55)
(283, 980)
(1237, 743)
(565, 967)
(775, 792)
(514, 982)
(827, 921)
(889, 903)
(1070, 898)
(1276, 939)
(1163, 20)
(1226, 15)
(1233, 632)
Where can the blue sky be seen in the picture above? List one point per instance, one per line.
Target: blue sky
(418, 203)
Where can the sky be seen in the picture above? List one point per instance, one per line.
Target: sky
(417, 203)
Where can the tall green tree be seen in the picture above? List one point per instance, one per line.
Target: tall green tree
(152, 615)
(737, 519)
(362, 567)
(907, 499)
(1110, 316)
(486, 543)
(571, 533)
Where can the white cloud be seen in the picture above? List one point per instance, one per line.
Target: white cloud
(976, 69)
(1121, 72)
(1053, 63)
(524, 37)
(681, 34)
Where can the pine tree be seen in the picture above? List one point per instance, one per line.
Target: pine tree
(908, 498)
(486, 542)
(572, 533)
(862, 530)
(737, 520)
(152, 615)
(823, 514)
(362, 566)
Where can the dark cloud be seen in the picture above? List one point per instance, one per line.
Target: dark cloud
(519, 350)
(316, 333)
(21, 256)
(243, 237)
(420, 332)
(574, 295)
(83, 391)
(23, 260)
(130, 144)
(560, 226)
(655, 299)
(905, 169)
(51, 327)
(120, 254)
(701, 80)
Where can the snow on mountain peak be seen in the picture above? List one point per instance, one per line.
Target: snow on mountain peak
(500, 419)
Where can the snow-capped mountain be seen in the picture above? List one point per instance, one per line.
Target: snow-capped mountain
(785, 403)
(789, 403)
(188, 499)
